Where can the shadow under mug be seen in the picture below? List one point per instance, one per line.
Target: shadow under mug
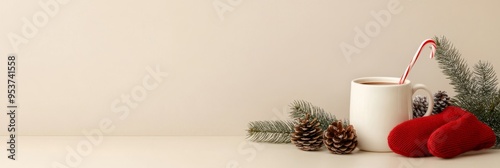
(377, 105)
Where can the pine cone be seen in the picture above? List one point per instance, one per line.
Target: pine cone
(308, 135)
(420, 105)
(441, 101)
(339, 140)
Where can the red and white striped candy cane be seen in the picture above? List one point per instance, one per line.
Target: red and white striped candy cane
(433, 51)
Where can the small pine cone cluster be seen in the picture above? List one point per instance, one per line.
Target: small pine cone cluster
(308, 135)
(420, 104)
(339, 139)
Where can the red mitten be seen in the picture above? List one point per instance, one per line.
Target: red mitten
(456, 137)
(410, 137)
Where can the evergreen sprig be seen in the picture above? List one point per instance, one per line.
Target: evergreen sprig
(279, 131)
(300, 108)
(270, 131)
(476, 90)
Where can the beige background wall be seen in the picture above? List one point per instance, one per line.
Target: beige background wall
(245, 63)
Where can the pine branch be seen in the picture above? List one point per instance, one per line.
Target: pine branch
(497, 102)
(450, 61)
(300, 108)
(485, 77)
(280, 131)
(487, 85)
(477, 91)
(457, 71)
(270, 131)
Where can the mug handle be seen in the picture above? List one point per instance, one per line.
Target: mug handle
(431, 101)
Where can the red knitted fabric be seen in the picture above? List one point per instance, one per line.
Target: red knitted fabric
(456, 137)
(410, 137)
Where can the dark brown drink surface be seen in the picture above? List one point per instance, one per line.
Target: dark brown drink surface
(379, 83)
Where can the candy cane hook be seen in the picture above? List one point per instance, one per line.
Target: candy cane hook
(433, 51)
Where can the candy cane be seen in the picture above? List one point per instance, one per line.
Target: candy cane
(433, 51)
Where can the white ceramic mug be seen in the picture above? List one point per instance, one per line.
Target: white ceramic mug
(378, 104)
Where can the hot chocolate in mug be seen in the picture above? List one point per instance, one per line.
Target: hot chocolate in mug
(378, 104)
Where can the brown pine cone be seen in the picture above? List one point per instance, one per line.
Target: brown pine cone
(308, 136)
(339, 140)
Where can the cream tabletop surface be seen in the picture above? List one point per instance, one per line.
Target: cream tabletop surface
(207, 152)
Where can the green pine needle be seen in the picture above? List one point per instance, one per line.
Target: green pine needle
(300, 108)
(280, 131)
(270, 131)
(454, 66)
(487, 85)
(477, 90)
